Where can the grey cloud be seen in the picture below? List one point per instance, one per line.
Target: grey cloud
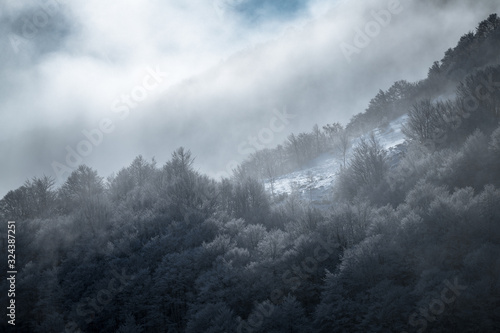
(225, 79)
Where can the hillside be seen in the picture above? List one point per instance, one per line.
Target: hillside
(314, 183)
(390, 223)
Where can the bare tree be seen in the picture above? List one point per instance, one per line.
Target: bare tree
(368, 164)
(319, 139)
(343, 144)
(270, 172)
(332, 131)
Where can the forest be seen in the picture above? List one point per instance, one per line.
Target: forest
(410, 246)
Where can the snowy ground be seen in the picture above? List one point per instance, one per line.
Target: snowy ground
(314, 182)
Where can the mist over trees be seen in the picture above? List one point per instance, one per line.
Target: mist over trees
(406, 246)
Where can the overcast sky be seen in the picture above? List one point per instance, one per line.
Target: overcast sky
(217, 77)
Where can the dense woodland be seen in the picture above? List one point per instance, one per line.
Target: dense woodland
(411, 246)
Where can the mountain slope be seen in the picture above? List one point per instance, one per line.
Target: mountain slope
(314, 182)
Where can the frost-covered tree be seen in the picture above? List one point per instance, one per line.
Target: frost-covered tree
(366, 170)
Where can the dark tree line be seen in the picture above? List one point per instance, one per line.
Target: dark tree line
(406, 246)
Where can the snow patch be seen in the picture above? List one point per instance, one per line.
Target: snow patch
(314, 182)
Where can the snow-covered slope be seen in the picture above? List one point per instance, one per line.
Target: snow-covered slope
(314, 182)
